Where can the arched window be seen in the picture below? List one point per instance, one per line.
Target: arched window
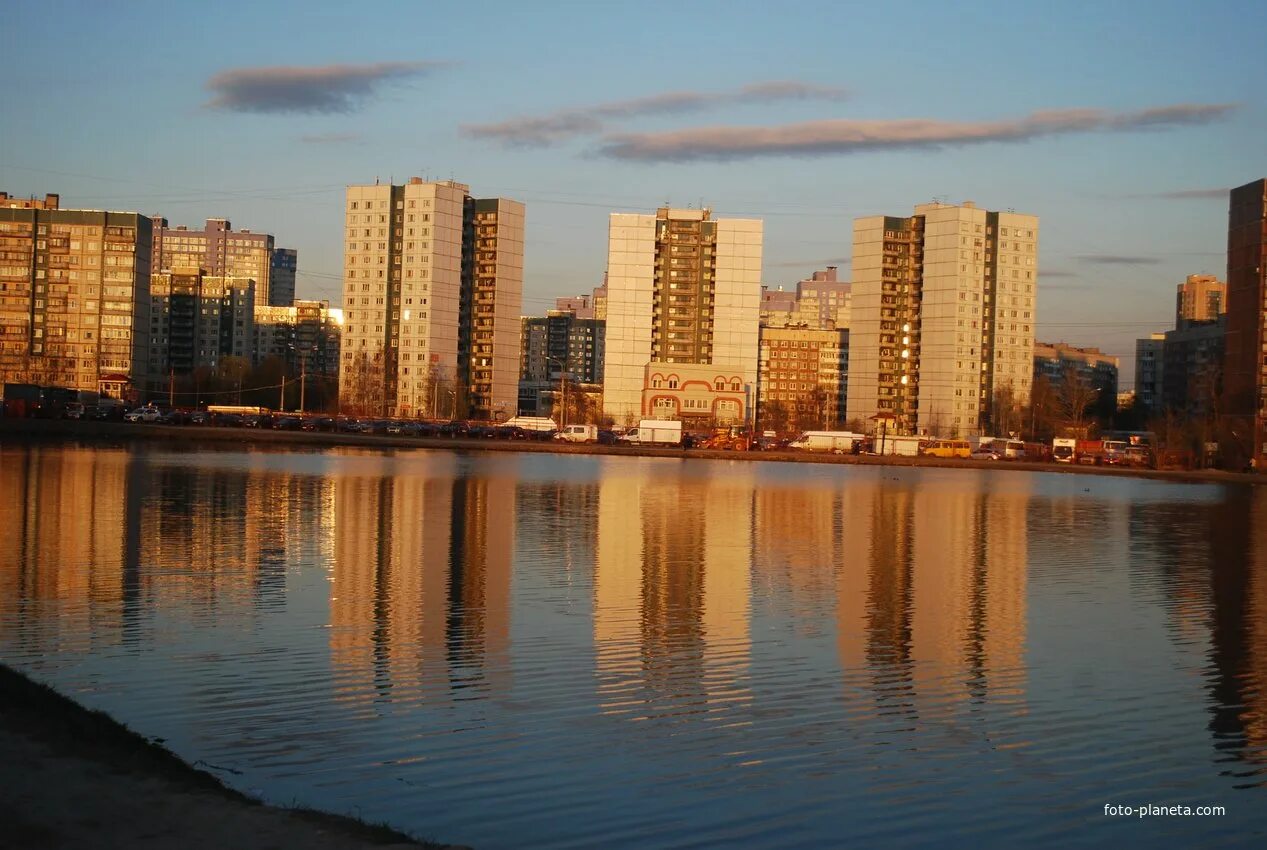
(721, 384)
(734, 386)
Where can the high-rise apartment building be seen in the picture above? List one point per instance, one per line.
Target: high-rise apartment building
(943, 315)
(682, 288)
(1200, 298)
(1244, 367)
(74, 298)
(281, 277)
(219, 250)
(490, 307)
(431, 276)
(197, 319)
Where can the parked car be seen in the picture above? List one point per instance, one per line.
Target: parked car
(227, 420)
(174, 417)
(287, 423)
(511, 432)
(455, 429)
(74, 410)
(199, 417)
(989, 452)
(320, 423)
(607, 438)
(144, 414)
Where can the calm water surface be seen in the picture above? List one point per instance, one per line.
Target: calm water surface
(570, 651)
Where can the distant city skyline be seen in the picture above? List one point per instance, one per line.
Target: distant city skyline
(1125, 148)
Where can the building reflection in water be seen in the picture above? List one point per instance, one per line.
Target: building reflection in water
(672, 589)
(421, 578)
(64, 512)
(931, 589)
(1238, 633)
(114, 536)
(1213, 560)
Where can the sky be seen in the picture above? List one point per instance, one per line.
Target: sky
(1121, 125)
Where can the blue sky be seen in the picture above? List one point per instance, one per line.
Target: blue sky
(806, 115)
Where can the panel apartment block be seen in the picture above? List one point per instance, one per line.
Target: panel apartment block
(196, 320)
(492, 302)
(681, 288)
(281, 283)
(74, 298)
(409, 255)
(942, 317)
(1245, 363)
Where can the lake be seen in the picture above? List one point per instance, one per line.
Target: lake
(537, 650)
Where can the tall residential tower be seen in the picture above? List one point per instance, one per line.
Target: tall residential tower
(942, 331)
(682, 289)
(1244, 372)
(433, 285)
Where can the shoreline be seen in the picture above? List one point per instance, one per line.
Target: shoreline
(74, 777)
(62, 429)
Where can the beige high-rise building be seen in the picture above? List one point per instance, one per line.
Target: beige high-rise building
(682, 288)
(943, 316)
(426, 279)
(74, 298)
(1200, 298)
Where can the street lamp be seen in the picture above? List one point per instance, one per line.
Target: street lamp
(563, 390)
(302, 351)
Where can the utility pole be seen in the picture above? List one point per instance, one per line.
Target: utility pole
(281, 404)
(303, 375)
(171, 387)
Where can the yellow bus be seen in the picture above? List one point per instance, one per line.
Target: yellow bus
(948, 448)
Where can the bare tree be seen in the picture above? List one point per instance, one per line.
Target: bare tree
(1075, 398)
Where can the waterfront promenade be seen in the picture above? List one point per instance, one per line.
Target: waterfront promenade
(61, 429)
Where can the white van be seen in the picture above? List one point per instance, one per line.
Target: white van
(578, 434)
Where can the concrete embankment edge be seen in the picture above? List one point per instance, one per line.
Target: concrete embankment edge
(35, 429)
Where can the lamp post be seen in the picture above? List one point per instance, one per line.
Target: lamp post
(302, 351)
(563, 391)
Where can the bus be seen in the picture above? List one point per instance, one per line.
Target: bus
(239, 409)
(948, 448)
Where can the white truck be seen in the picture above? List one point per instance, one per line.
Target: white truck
(1064, 449)
(898, 444)
(654, 432)
(842, 442)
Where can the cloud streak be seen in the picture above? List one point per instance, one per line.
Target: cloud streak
(1186, 195)
(1116, 260)
(848, 136)
(561, 126)
(330, 138)
(321, 89)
